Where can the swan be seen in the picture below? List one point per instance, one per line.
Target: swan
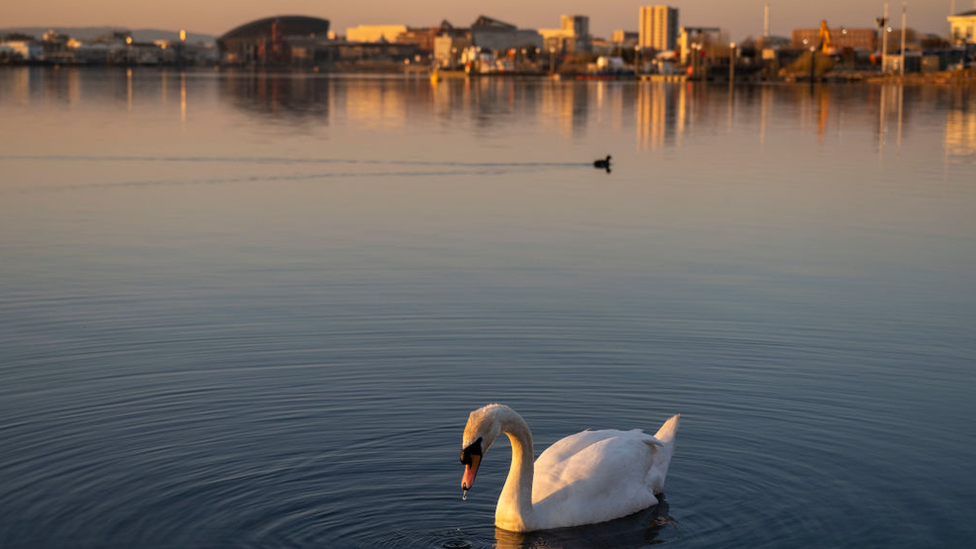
(604, 164)
(586, 478)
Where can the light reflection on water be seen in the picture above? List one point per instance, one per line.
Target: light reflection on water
(254, 311)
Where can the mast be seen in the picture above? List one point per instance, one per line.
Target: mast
(884, 41)
(904, 19)
(766, 23)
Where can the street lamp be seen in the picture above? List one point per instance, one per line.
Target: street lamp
(182, 52)
(813, 64)
(885, 29)
(731, 63)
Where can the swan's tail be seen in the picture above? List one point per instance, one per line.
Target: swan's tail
(662, 458)
(667, 431)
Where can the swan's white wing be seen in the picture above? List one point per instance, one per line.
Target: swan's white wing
(566, 447)
(594, 476)
(573, 444)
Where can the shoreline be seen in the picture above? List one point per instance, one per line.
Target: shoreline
(957, 78)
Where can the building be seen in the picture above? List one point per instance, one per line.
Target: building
(494, 35)
(267, 41)
(963, 27)
(423, 37)
(558, 40)
(658, 28)
(375, 33)
(624, 38)
(602, 46)
(579, 25)
(24, 50)
(448, 49)
(572, 36)
(855, 39)
(342, 55)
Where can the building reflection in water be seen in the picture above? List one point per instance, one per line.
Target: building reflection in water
(960, 125)
(568, 104)
(277, 95)
(29, 85)
(661, 114)
(378, 103)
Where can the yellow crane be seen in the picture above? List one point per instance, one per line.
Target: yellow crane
(826, 44)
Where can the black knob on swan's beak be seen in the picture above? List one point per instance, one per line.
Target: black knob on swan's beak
(473, 449)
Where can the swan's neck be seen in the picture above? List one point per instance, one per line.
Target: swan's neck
(514, 511)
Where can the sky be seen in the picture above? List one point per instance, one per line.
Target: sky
(741, 18)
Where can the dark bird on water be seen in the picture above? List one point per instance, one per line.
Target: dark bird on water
(604, 164)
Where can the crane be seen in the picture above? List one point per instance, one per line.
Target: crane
(826, 44)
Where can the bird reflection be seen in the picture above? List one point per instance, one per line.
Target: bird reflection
(642, 528)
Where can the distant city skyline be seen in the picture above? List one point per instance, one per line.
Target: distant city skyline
(741, 18)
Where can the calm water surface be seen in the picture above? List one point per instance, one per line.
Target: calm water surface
(254, 311)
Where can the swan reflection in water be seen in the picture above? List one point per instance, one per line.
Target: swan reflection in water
(641, 528)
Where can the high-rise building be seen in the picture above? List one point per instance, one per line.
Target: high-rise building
(579, 25)
(658, 27)
(572, 36)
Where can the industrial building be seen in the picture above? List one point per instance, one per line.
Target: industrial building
(494, 35)
(267, 41)
(658, 28)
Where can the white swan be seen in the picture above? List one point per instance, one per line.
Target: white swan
(589, 477)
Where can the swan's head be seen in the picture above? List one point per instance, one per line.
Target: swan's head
(482, 429)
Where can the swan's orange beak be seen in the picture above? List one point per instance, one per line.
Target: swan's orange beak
(470, 470)
(471, 458)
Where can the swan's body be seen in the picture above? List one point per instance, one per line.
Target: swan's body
(589, 477)
(602, 164)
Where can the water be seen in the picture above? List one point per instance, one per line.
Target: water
(246, 311)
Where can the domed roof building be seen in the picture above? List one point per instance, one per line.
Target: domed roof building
(266, 40)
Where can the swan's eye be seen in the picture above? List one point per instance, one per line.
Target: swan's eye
(473, 449)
